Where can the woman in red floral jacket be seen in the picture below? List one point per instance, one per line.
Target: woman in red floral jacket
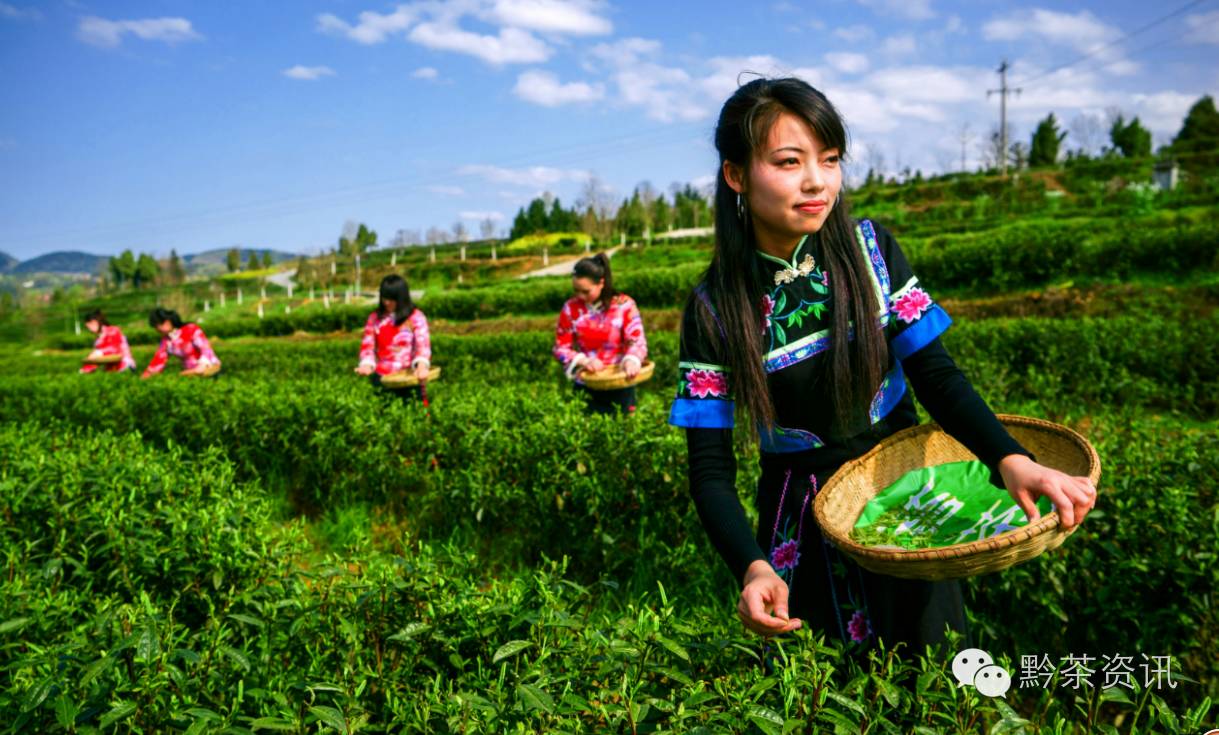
(110, 341)
(186, 341)
(598, 328)
(396, 338)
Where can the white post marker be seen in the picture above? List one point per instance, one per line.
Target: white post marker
(207, 305)
(326, 300)
(545, 256)
(222, 299)
(493, 253)
(260, 310)
(333, 268)
(393, 260)
(262, 293)
(463, 252)
(588, 246)
(289, 289)
(239, 297)
(431, 256)
(460, 279)
(77, 327)
(287, 309)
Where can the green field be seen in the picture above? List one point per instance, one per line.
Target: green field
(283, 550)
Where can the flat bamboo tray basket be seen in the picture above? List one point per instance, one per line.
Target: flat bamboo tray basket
(208, 371)
(104, 360)
(407, 379)
(613, 377)
(840, 503)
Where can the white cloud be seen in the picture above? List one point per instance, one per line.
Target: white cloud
(909, 9)
(533, 176)
(544, 88)
(308, 73)
(453, 191)
(511, 45)
(1203, 28)
(550, 16)
(109, 33)
(625, 51)
(900, 45)
(954, 24)
(1163, 112)
(425, 72)
(480, 216)
(855, 33)
(371, 28)
(1081, 31)
(14, 13)
(849, 63)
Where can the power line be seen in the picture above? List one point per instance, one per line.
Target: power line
(1116, 41)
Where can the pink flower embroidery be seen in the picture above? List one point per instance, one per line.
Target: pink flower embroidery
(785, 556)
(703, 383)
(768, 308)
(912, 305)
(859, 627)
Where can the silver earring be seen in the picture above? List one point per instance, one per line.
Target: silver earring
(740, 206)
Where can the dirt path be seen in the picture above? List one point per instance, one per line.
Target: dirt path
(562, 269)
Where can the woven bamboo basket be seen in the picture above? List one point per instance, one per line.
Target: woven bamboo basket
(104, 360)
(841, 501)
(208, 371)
(407, 379)
(613, 377)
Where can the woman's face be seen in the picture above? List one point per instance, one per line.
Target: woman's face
(390, 305)
(586, 288)
(165, 327)
(93, 326)
(793, 182)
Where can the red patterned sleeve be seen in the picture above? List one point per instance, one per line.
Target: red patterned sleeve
(422, 339)
(564, 337)
(634, 343)
(368, 345)
(158, 360)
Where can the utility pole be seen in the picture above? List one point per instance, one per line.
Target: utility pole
(1003, 91)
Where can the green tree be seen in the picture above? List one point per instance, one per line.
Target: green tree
(266, 259)
(233, 260)
(662, 215)
(1046, 142)
(252, 264)
(1198, 141)
(1130, 138)
(147, 269)
(632, 217)
(358, 242)
(176, 273)
(122, 268)
(689, 207)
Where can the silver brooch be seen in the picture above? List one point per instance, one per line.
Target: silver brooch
(789, 274)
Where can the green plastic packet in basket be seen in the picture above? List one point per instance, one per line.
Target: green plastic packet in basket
(946, 504)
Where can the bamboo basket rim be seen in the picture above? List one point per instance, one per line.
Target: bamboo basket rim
(407, 379)
(104, 360)
(613, 377)
(208, 371)
(929, 558)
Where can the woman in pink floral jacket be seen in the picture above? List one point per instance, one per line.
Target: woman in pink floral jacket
(598, 328)
(110, 341)
(186, 341)
(396, 338)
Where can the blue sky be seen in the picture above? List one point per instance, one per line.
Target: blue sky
(193, 125)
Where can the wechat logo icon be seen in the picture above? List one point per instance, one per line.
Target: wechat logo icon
(975, 667)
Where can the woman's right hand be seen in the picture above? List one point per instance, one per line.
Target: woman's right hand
(593, 365)
(763, 603)
(365, 369)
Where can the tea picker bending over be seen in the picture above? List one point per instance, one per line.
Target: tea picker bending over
(183, 340)
(812, 322)
(110, 342)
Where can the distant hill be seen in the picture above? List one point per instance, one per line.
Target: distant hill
(62, 262)
(214, 262)
(7, 262)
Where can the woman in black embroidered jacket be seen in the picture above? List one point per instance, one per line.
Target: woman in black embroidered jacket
(791, 273)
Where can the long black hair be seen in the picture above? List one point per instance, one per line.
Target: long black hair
(855, 366)
(597, 268)
(160, 315)
(394, 287)
(96, 315)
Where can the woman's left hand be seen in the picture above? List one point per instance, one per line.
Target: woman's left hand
(1026, 480)
(421, 372)
(630, 367)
